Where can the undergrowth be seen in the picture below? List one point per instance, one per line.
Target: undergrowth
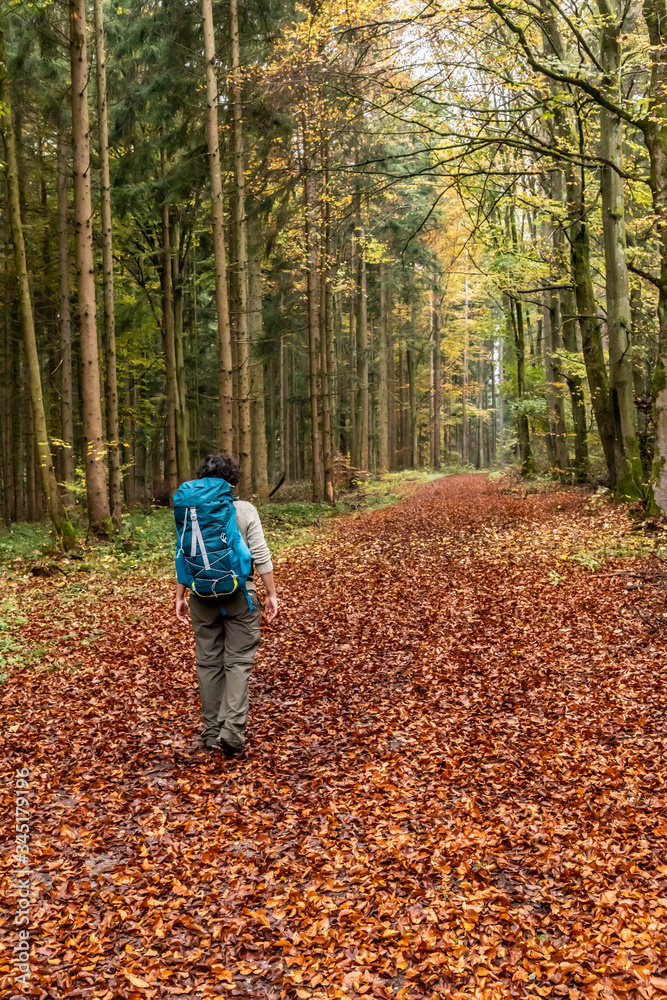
(145, 547)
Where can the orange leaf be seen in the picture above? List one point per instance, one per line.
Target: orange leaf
(141, 983)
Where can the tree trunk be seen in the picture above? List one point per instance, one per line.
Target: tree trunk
(99, 514)
(260, 479)
(245, 439)
(18, 379)
(8, 424)
(33, 490)
(589, 322)
(526, 454)
(655, 137)
(464, 382)
(109, 328)
(218, 227)
(554, 395)
(38, 415)
(641, 371)
(326, 335)
(501, 409)
(431, 387)
(169, 346)
(437, 382)
(352, 361)
(362, 415)
(517, 323)
(284, 449)
(66, 387)
(574, 381)
(392, 384)
(181, 415)
(656, 141)
(383, 369)
(403, 419)
(629, 472)
(412, 397)
(317, 468)
(493, 434)
(559, 386)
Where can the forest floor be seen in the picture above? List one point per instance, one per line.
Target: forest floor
(455, 781)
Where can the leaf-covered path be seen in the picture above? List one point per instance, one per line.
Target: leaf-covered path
(455, 781)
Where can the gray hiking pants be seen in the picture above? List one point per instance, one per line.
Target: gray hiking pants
(226, 645)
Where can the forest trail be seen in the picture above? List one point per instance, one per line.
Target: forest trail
(455, 780)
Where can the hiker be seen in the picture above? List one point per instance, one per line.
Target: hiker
(220, 544)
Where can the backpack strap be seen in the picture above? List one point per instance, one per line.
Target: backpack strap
(198, 539)
(247, 596)
(185, 524)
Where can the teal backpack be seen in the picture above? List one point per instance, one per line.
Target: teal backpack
(212, 559)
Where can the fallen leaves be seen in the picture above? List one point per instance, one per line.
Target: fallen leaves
(455, 782)
(135, 980)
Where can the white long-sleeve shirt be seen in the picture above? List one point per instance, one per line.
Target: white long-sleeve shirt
(252, 533)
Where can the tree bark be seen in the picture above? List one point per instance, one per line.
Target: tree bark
(517, 324)
(169, 347)
(437, 381)
(8, 426)
(501, 409)
(654, 127)
(514, 311)
(464, 382)
(317, 467)
(182, 446)
(383, 369)
(38, 415)
(99, 514)
(589, 323)
(352, 362)
(574, 381)
(260, 479)
(641, 371)
(493, 434)
(109, 327)
(362, 415)
(412, 398)
(326, 334)
(284, 448)
(245, 438)
(526, 453)
(554, 396)
(404, 408)
(66, 387)
(629, 472)
(218, 226)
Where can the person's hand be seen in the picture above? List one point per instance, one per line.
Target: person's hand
(270, 607)
(183, 610)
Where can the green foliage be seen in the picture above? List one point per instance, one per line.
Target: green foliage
(145, 546)
(11, 620)
(589, 560)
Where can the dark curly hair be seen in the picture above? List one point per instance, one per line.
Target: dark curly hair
(220, 467)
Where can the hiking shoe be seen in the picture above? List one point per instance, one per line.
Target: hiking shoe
(227, 748)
